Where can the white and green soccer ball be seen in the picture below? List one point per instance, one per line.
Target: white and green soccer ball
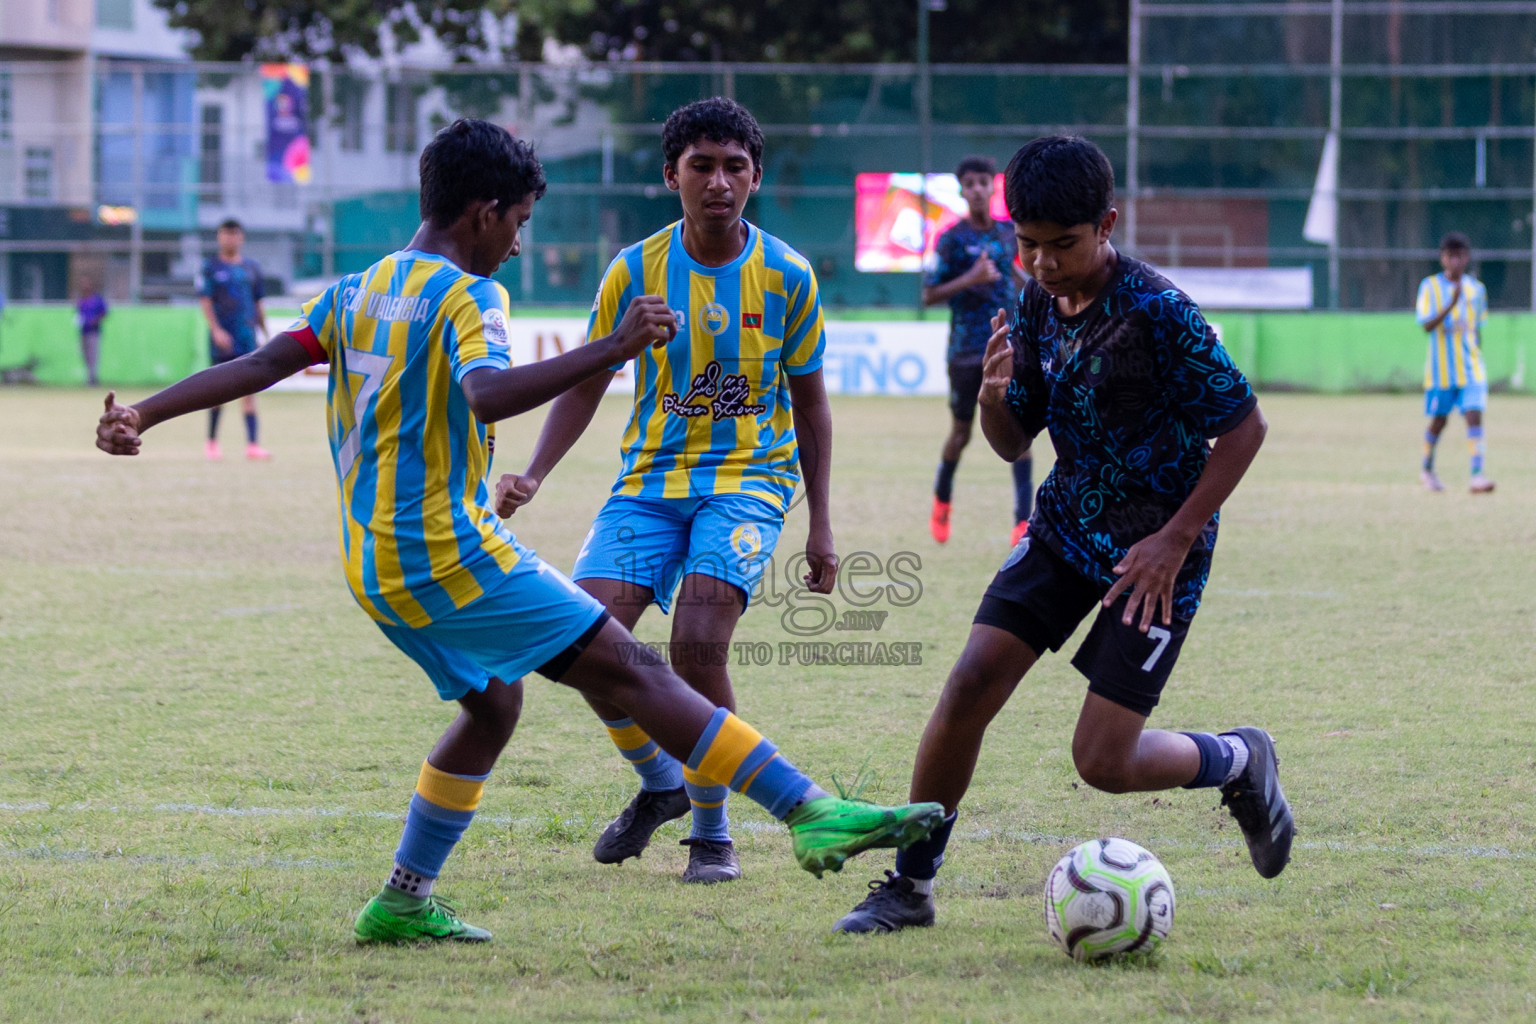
(1108, 896)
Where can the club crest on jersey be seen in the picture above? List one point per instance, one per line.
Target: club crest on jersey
(716, 318)
(752, 321)
(729, 396)
(494, 322)
(746, 540)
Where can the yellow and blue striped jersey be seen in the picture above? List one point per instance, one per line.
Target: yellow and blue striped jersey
(1455, 349)
(418, 535)
(712, 412)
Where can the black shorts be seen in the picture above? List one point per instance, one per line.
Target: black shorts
(1041, 599)
(964, 386)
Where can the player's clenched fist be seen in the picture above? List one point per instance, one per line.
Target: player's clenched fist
(513, 492)
(117, 432)
(983, 273)
(997, 363)
(647, 321)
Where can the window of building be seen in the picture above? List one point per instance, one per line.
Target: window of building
(5, 106)
(115, 14)
(210, 153)
(351, 98)
(37, 173)
(400, 117)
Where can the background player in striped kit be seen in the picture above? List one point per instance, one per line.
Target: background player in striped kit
(726, 416)
(1452, 308)
(417, 346)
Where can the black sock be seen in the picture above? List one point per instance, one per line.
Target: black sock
(213, 423)
(250, 427)
(944, 482)
(921, 860)
(1023, 489)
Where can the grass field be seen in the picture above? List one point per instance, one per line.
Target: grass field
(208, 749)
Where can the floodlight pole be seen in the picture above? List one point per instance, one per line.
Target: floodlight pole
(924, 131)
(1132, 127)
(136, 227)
(1335, 122)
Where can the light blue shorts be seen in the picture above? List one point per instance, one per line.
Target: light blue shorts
(1440, 401)
(531, 618)
(655, 542)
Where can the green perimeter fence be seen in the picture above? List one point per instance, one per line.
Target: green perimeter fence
(1330, 352)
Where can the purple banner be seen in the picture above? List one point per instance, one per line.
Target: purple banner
(285, 88)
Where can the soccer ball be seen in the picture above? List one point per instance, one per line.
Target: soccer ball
(1108, 896)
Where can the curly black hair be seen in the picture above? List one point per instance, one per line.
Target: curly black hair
(1455, 241)
(976, 165)
(1060, 179)
(717, 119)
(473, 159)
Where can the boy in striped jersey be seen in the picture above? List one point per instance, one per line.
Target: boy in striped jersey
(417, 346)
(1452, 308)
(726, 416)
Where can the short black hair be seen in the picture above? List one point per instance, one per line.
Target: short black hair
(1455, 241)
(717, 119)
(1059, 179)
(473, 159)
(976, 165)
(231, 224)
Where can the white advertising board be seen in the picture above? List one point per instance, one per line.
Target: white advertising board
(862, 357)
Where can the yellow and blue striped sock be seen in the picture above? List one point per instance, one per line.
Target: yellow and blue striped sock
(441, 809)
(659, 771)
(1477, 447)
(710, 820)
(1430, 437)
(731, 749)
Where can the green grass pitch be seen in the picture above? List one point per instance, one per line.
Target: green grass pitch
(207, 750)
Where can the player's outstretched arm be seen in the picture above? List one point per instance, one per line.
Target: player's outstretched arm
(813, 436)
(498, 394)
(999, 425)
(118, 431)
(1152, 564)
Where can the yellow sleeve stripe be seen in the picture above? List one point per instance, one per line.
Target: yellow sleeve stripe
(461, 310)
(803, 301)
(608, 295)
(653, 255)
(450, 791)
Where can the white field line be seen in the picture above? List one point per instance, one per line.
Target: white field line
(1005, 836)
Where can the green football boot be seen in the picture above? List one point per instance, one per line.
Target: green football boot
(829, 830)
(436, 919)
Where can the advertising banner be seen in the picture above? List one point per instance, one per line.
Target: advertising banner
(285, 91)
(897, 218)
(862, 357)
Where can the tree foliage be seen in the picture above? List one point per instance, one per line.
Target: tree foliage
(1031, 31)
(335, 29)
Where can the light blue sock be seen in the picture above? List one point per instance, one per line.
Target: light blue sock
(710, 820)
(659, 771)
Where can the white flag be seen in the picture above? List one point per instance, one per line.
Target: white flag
(1322, 224)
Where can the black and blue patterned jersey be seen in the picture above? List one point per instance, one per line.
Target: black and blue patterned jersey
(235, 289)
(1129, 390)
(971, 310)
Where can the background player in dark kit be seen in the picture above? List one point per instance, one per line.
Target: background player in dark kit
(975, 273)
